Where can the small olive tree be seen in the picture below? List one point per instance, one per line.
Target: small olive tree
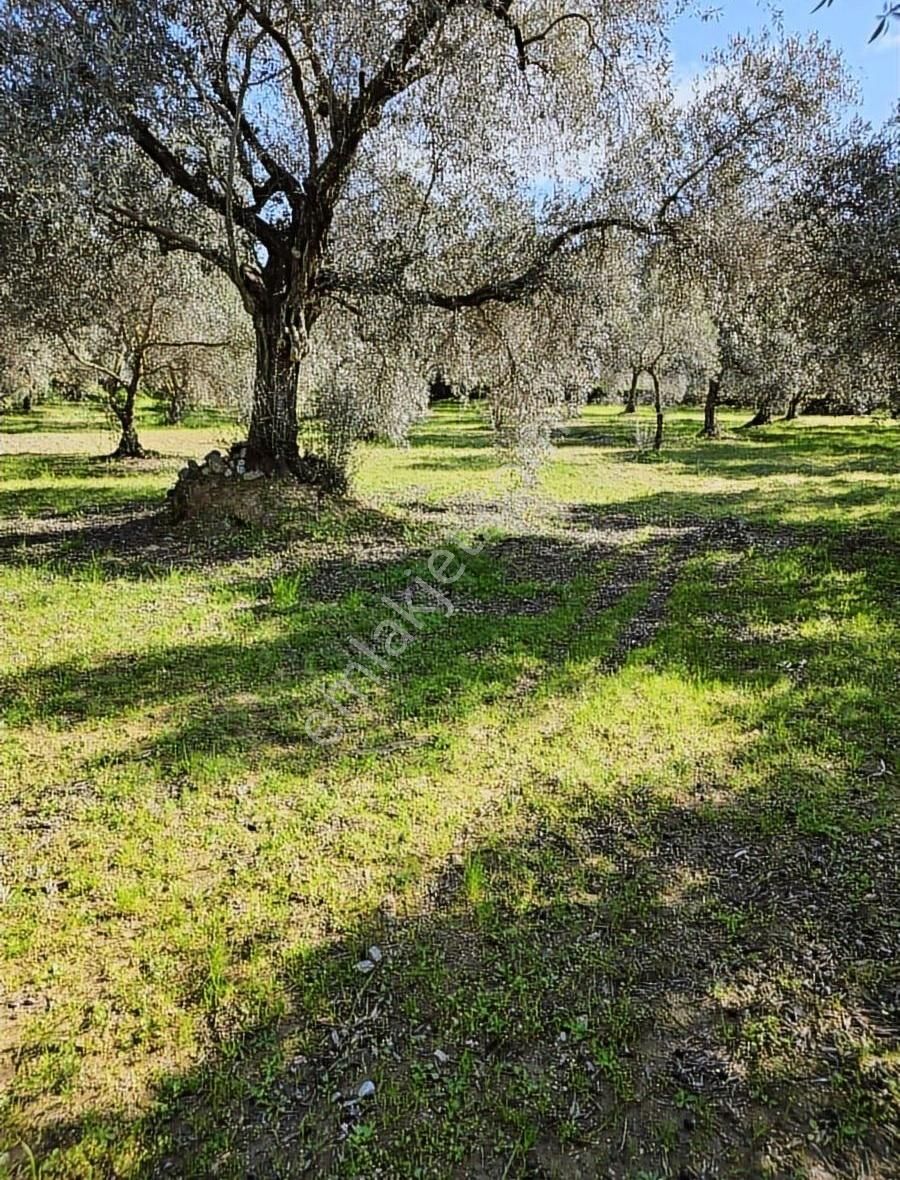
(119, 311)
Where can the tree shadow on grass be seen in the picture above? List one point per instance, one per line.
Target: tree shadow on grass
(122, 536)
(665, 973)
(524, 605)
(66, 488)
(850, 513)
(521, 601)
(825, 450)
(480, 462)
(54, 420)
(652, 981)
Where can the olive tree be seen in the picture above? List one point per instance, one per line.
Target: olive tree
(663, 330)
(122, 314)
(849, 217)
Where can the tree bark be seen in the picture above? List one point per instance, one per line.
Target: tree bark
(631, 400)
(710, 417)
(762, 417)
(657, 402)
(176, 400)
(129, 446)
(793, 407)
(272, 440)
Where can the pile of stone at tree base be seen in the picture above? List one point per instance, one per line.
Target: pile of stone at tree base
(228, 488)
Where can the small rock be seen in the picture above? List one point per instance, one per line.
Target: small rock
(364, 966)
(366, 1090)
(441, 1057)
(375, 954)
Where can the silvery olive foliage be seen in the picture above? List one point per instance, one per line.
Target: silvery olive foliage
(120, 316)
(661, 328)
(28, 364)
(849, 216)
(360, 171)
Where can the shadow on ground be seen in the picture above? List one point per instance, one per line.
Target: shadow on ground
(640, 989)
(695, 983)
(753, 454)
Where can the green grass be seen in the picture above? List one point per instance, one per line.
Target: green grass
(623, 825)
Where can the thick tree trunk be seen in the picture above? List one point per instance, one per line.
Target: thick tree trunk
(631, 400)
(129, 446)
(710, 418)
(793, 407)
(272, 440)
(657, 402)
(176, 402)
(762, 417)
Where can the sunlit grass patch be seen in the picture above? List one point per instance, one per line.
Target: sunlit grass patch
(608, 839)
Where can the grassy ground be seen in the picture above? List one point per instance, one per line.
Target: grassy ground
(621, 822)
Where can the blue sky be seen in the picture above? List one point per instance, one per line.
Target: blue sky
(848, 24)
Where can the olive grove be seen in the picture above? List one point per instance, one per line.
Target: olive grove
(397, 187)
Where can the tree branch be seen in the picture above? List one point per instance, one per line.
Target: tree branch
(89, 364)
(529, 280)
(189, 344)
(280, 179)
(282, 40)
(195, 186)
(719, 150)
(169, 239)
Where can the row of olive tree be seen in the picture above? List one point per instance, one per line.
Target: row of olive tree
(775, 303)
(108, 311)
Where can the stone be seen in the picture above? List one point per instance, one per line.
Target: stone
(226, 500)
(441, 1057)
(364, 966)
(367, 1089)
(375, 954)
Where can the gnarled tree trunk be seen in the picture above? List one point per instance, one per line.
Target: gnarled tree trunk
(657, 402)
(793, 408)
(129, 445)
(710, 418)
(272, 440)
(631, 400)
(762, 417)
